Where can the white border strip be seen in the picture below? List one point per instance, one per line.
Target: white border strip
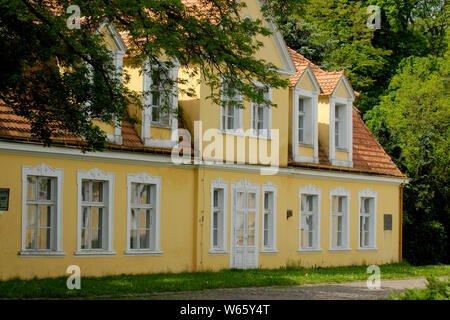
(165, 161)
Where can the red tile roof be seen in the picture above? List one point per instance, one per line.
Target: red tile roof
(368, 155)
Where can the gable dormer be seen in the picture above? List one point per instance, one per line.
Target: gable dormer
(304, 110)
(341, 124)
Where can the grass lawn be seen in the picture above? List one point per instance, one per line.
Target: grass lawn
(116, 286)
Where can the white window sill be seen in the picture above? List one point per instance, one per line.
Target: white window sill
(342, 149)
(309, 250)
(217, 252)
(94, 253)
(143, 253)
(268, 251)
(367, 249)
(260, 136)
(234, 132)
(41, 254)
(156, 125)
(339, 249)
(304, 144)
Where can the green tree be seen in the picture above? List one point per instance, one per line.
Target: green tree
(417, 115)
(59, 78)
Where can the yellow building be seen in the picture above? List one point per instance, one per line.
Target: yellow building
(303, 184)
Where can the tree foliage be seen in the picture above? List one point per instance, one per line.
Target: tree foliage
(413, 124)
(60, 78)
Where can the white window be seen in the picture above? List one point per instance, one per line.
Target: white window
(340, 129)
(269, 193)
(143, 214)
(309, 219)
(231, 114)
(95, 212)
(301, 120)
(219, 199)
(42, 211)
(261, 115)
(367, 219)
(305, 121)
(160, 98)
(340, 203)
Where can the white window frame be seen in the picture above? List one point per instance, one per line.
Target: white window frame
(145, 178)
(147, 122)
(272, 247)
(345, 124)
(221, 249)
(341, 192)
(373, 195)
(117, 57)
(237, 112)
(311, 118)
(265, 132)
(97, 175)
(310, 190)
(43, 170)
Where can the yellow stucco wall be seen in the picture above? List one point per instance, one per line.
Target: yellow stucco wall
(324, 124)
(306, 83)
(176, 221)
(287, 228)
(185, 222)
(341, 155)
(306, 151)
(105, 127)
(342, 91)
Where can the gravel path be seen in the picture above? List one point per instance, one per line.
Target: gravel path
(327, 291)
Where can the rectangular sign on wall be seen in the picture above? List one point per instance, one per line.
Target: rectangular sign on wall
(4, 199)
(388, 222)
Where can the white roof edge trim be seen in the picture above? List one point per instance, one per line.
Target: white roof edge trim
(159, 160)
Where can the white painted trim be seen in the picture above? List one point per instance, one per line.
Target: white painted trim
(269, 187)
(44, 171)
(99, 175)
(246, 186)
(145, 178)
(116, 37)
(289, 67)
(219, 184)
(309, 250)
(217, 252)
(340, 191)
(309, 190)
(28, 149)
(136, 253)
(368, 193)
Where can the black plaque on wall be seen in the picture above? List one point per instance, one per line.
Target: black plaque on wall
(388, 222)
(4, 199)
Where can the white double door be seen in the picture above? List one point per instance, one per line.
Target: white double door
(244, 231)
